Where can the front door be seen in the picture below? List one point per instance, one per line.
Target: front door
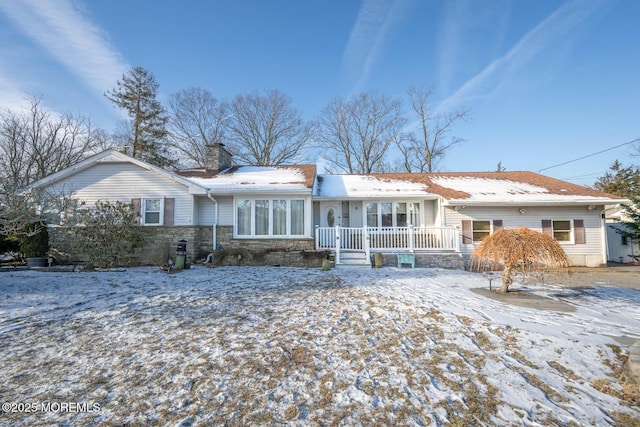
(330, 214)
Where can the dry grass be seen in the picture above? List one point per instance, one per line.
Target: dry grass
(323, 355)
(514, 250)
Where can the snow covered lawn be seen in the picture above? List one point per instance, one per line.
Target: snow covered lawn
(268, 345)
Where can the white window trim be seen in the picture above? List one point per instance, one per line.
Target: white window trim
(394, 218)
(572, 239)
(288, 235)
(473, 221)
(143, 211)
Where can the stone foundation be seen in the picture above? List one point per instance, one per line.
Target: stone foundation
(161, 242)
(229, 257)
(227, 242)
(451, 261)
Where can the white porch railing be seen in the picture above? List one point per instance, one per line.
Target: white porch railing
(379, 239)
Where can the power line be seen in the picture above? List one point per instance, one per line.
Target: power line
(589, 155)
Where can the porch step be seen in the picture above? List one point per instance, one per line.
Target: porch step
(348, 259)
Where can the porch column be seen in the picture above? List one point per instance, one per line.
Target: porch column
(365, 242)
(411, 243)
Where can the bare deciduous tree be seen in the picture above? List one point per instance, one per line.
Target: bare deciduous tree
(36, 143)
(265, 129)
(425, 148)
(196, 119)
(357, 133)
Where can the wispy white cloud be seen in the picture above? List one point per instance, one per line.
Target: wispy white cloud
(458, 44)
(375, 20)
(69, 36)
(12, 96)
(541, 37)
(449, 46)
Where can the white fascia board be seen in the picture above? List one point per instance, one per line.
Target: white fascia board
(378, 198)
(258, 191)
(575, 202)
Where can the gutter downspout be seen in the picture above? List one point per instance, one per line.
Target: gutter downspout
(215, 221)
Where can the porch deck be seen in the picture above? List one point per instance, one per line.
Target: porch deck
(387, 239)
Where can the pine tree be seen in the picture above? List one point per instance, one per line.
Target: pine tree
(632, 229)
(136, 93)
(621, 181)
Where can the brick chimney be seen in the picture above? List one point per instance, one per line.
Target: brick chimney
(217, 157)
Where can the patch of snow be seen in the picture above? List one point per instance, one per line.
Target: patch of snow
(500, 190)
(254, 178)
(363, 186)
(267, 345)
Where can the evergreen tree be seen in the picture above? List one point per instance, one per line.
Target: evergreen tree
(624, 182)
(620, 181)
(632, 230)
(136, 93)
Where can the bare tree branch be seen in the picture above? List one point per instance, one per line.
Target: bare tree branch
(357, 133)
(34, 144)
(265, 129)
(196, 119)
(423, 150)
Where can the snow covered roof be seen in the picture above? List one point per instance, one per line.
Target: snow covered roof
(371, 186)
(515, 188)
(468, 188)
(273, 179)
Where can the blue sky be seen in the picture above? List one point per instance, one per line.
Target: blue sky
(546, 81)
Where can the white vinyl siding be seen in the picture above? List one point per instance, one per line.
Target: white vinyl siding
(125, 181)
(591, 253)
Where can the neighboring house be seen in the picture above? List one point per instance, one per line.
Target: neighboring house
(621, 248)
(438, 217)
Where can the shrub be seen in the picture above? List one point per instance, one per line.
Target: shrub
(34, 240)
(517, 250)
(107, 233)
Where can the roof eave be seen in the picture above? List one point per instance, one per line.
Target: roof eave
(398, 196)
(575, 202)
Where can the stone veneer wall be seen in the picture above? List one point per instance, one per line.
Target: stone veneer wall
(161, 242)
(226, 240)
(452, 261)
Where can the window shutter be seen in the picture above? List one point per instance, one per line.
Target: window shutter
(169, 203)
(578, 232)
(467, 236)
(497, 225)
(546, 227)
(137, 206)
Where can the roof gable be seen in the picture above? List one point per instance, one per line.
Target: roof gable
(110, 156)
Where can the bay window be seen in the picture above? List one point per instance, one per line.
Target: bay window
(261, 217)
(270, 217)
